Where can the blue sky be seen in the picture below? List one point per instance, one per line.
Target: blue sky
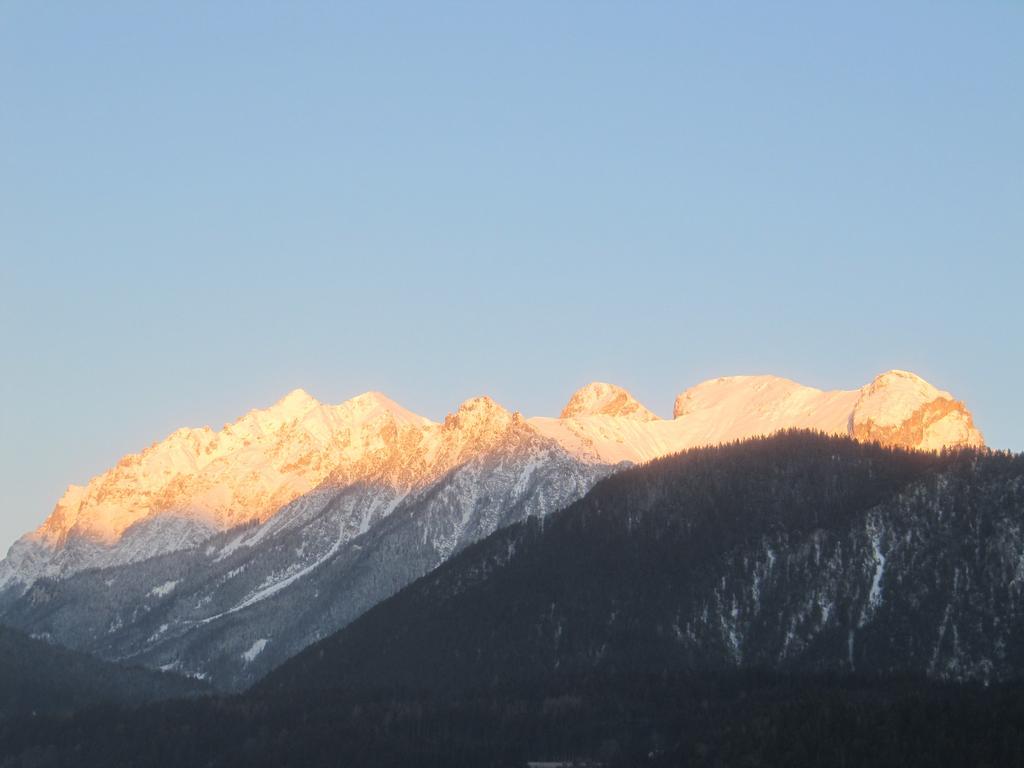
(204, 205)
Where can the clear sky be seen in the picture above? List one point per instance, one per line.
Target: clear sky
(205, 205)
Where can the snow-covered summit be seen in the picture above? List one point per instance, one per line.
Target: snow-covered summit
(373, 405)
(735, 406)
(894, 395)
(294, 404)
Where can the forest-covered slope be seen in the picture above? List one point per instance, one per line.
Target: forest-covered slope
(798, 552)
(37, 677)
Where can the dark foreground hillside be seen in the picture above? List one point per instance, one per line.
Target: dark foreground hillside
(731, 719)
(36, 677)
(796, 600)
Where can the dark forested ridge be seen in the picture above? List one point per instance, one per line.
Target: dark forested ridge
(37, 677)
(797, 552)
(794, 600)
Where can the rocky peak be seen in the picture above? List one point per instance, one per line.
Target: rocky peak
(901, 408)
(600, 398)
(480, 415)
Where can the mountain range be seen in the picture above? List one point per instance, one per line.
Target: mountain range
(221, 554)
(799, 599)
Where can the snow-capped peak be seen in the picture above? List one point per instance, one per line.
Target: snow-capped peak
(601, 398)
(371, 405)
(295, 403)
(261, 421)
(894, 395)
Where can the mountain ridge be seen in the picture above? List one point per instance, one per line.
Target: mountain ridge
(253, 467)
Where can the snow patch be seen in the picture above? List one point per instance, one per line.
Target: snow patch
(255, 650)
(231, 546)
(164, 589)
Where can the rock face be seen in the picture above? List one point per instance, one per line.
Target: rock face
(221, 553)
